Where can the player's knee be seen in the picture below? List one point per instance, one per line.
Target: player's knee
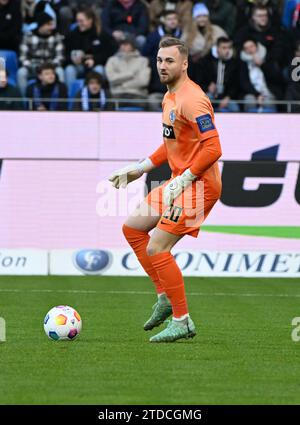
(153, 249)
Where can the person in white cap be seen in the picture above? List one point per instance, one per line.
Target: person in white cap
(201, 35)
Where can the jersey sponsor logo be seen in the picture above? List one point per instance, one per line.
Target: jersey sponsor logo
(205, 123)
(168, 132)
(172, 116)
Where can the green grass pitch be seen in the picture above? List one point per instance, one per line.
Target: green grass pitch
(243, 352)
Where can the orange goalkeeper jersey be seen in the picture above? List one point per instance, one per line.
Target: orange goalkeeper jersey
(190, 137)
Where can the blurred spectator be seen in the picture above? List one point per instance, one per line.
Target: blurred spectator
(158, 7)
(126, 17)
(64, 14)
(96, 5)
(223, 14)
(60, 10)
(41, 45)
(46, 91)
(169, 26)
(200, 35)
(8, 91)
(260, 28)
(291, 12)
(293, 79)
(128, 73)
(220, 75)
(87, 47)
(261, 80)
(27, 9)
(245, 7)
(10, 24)
(93, 96)
(31, 9)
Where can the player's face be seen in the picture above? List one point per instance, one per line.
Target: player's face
(170, 64)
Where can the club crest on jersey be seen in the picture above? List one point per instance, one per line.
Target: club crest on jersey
(172, 116)
(205, 123)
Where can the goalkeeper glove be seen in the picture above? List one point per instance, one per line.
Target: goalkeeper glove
(177, 186)
(121, 178)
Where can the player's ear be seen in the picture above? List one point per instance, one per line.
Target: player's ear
(185, 64)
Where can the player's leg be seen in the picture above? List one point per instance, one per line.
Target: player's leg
(170, 277)
(143, 218)
(135, 230)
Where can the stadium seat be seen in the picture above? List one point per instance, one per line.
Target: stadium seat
(75, 87)
(11, 60)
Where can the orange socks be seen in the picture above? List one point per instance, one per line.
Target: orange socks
(162, 269)
(171, 279)
(138, 241)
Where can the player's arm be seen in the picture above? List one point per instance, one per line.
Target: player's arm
(199, 114)
(121, 178)
(160, 156)
(210, 152)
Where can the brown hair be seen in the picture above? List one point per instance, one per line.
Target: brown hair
(90, 14)
(94, 76)
(172, 41)
(191, 31)
(44, 66)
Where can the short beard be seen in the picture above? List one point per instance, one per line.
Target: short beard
(170, 80)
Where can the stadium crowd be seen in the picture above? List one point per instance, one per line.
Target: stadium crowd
(245, 54)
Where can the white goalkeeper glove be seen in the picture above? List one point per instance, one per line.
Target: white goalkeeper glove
(177, 186)
(121, 178)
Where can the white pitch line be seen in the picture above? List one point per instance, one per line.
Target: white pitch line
(72, 291)
(215, 294)
(202, 294)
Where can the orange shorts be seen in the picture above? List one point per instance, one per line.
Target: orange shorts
(187, 213)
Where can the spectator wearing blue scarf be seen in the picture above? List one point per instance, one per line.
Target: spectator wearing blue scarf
(92, 96)
(45, 93)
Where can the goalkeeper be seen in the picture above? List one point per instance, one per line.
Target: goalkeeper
(178, 207)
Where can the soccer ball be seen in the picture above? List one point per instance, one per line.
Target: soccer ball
(62, 323)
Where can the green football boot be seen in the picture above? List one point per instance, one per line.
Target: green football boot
(162, 310)
(176, 330)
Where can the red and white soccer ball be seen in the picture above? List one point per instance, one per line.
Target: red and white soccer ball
(62, 323)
